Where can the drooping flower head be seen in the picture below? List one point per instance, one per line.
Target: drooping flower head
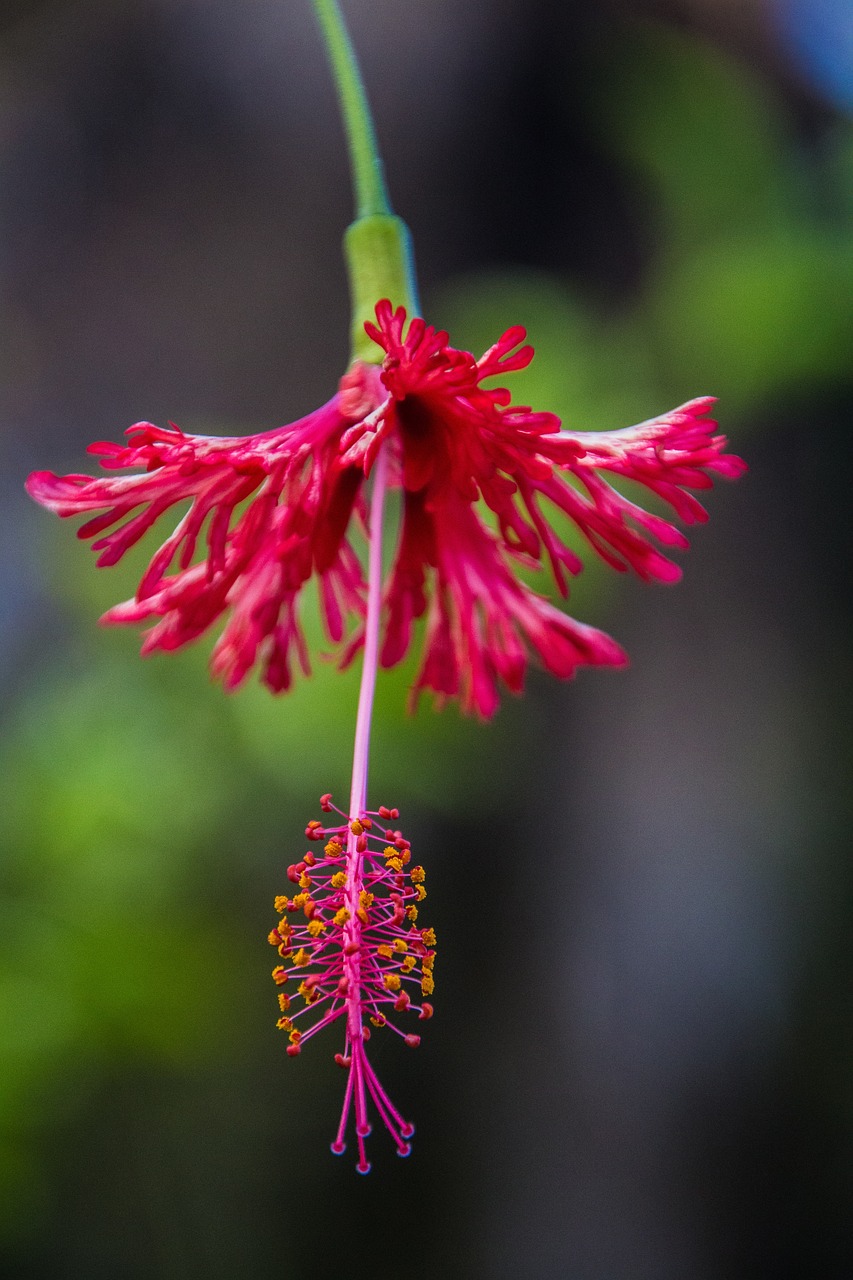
(270, 512)
(354, 953)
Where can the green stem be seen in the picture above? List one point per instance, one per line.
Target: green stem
(377, 246)
(371, 195)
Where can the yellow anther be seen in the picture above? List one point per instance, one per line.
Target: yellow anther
(284, 928)
(363, 916)
(279, 975)
(428, 936)
(365, 899)
(340, 918)
(300, 900)
(285, 950)
(400, 945)
(408, 964)
(405, 856)
(295, 1036)
(421, 892)
(355, 827)
(412, 913)
(389, 851)
(305, 881)
(284, 1024)
(281, 903)
(301, 958)
(384, 951)
(283, 1002)
(428, 962)
(333, 849)
(394, 864)
(392, 981)
(378, 1021)
(274, 937)
(418, 875)
(427, 984)
(308, 992)
(339, 879)
(316, 927)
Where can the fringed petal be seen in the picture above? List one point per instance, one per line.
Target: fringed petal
(266, 512)
(271, 509)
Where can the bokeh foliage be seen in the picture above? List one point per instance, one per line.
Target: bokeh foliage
(747, 292)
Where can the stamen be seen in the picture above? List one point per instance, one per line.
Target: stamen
(359, 943)
(352, 965)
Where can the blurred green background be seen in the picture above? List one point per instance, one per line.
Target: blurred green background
(642, 1060)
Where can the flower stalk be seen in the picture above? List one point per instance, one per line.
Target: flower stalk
(371, 194)
(377, 246)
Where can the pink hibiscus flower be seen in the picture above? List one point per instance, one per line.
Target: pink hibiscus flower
(274, 510)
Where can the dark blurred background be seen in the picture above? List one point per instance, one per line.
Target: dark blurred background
(642, 1061)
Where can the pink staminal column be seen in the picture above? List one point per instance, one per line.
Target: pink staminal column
(359, 956)
(361, 1074)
